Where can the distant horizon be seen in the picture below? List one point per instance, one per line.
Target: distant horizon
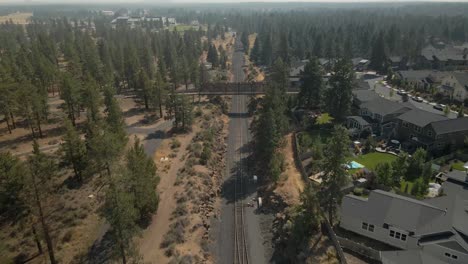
(168, 2)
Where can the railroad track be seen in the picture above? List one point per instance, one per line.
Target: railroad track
(241, 255)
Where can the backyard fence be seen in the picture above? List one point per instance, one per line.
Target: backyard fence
(325, 224)
(360, 249)
(336, 243)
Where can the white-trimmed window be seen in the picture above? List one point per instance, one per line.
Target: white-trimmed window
(367, 227)
(398, 235)
(452, 256)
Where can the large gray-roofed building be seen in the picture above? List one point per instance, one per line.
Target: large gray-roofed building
(383, 106)
(430, 231)
(363, 95)
(445, 53)
(421, 118)
(450, 125)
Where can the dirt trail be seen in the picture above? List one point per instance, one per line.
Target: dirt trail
(153, 235)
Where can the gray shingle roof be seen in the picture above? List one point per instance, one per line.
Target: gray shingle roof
(360, 120)
(450, 125)
(365, 95)
(444, 54)
(384, 107)
(408, 256)
(421, 118)
(462, 78)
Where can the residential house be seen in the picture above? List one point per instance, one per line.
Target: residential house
(415, 130)
(449, 134)
(398, 63)
(381, 113)
(411, 126)
(442, 56)
(107, 13)
(295, 73)
(360, 64)
(455, 86)
(420, 79)
(426, 231)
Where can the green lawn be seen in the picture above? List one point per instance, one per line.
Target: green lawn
(403, 184)
(371, 160)
(323, 119)
(458, 166)
(306, 139)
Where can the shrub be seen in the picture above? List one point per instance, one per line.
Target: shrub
(205, 155)
(67, 236)
(180, 210)
(175, 143)
(358, 191)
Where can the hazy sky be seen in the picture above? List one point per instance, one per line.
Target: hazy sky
(212, 1)
(194, 1)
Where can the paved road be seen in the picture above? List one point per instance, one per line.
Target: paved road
(385, 91)
(153, 136)
(236, 157)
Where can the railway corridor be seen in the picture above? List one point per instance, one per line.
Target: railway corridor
(239, 238)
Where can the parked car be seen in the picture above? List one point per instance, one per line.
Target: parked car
(401, 92)
(439, 107)
(417, 99)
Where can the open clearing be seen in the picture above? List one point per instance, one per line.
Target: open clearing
(17, 18)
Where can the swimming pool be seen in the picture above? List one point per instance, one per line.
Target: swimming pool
(354, 165)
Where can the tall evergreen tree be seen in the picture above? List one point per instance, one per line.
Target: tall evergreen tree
(379, 56)
(74, 151)
(334, 173)
(142, 181)
(312, 88)
(340, 94)
(41, 171)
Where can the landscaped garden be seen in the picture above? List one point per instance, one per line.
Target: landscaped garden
(458, 165)
(371, 160)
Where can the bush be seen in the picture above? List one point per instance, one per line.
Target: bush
(175, 143)
(358, 191)
(180, 210)
(196, 149)
(67, 236)
(205, 155)
(176, 234)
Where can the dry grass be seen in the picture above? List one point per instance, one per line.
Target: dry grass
(291, 183)
(17, 18)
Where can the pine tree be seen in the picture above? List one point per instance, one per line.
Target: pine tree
(378, 56)
(267, 50)
(91, 99)
(12, 182)
(119, 211)
(340, 94)
(334, 174)
(212, 56)
(142, 181)
(70, 93)
(41, 170)
(114, 118)
(311, 92)
(74, 151)
(280, 75)
(256, 52)
(144, 87)
(283, 49)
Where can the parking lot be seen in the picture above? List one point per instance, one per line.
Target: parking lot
(385, 91)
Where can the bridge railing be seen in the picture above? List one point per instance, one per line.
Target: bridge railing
(233, 88)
